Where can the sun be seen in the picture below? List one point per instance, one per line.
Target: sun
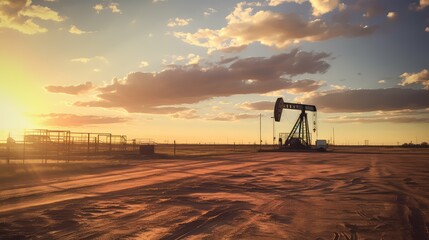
(12, 117)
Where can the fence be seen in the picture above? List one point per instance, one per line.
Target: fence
(62, 144)
(43, 144)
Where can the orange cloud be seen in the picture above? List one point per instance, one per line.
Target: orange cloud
(421, 77)
(321, 7)
(72, 120)
(73, 90)
(162, 92)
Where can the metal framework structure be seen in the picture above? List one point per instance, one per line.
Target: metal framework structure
(62, 144)
(299, 136)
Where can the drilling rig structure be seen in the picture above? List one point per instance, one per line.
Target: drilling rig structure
(299, 136)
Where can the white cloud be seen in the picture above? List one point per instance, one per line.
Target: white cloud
(178, 22)
(382, 81)
(427, 29)
(421, 77)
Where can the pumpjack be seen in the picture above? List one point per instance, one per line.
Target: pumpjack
(299, 136)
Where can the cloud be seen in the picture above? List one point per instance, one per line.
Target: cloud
(262, 106)
(178, 22)
(20, 15)
(418, 7)
(98, 8)
(227, 60)
(73, 90)
(44, 13)
(366, 100)
(274, 3)
(382, 81)
(190, 58)
(392, 15)
(72, 120)
(193, 58)
(143, 64)
(378, 119)
(321, 7)
(165, 91)
(187, 114)
(75, 30)
(338, 87)
(113, 7)
(427, 29)
(269, 28)
(232, 117)
(209, 11)
(87, 60)
(370, 8)
(421, 77)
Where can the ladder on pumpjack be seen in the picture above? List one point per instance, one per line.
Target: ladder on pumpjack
(300, 136)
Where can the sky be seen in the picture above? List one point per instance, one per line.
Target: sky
(199, 71)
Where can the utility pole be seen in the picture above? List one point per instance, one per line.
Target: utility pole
(260, 131)
(333, 136)
(274, 136)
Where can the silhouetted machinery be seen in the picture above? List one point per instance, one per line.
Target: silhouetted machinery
(300, 136)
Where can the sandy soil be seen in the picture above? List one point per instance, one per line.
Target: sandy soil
(235, 196)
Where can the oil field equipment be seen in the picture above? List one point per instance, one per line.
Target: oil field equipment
(300, 136)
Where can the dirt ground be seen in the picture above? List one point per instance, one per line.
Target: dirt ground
(277, 195)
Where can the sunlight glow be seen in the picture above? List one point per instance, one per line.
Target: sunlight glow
(12, 117)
